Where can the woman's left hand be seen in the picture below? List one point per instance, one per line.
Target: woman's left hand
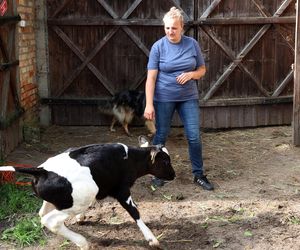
(184, 77)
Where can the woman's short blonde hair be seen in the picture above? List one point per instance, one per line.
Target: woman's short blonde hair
(173, 13)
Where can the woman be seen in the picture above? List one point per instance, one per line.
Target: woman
(175, 63)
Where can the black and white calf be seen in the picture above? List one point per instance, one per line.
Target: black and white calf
(69, 182)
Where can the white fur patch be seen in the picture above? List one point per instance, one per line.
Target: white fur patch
(153, 154)
(145, 145)
(7, 168)
(130, 201)
(125, 148)
(165, 150)
(84, 187)
(146, 231)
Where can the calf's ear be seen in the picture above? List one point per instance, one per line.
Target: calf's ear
(153, 153)
(143, 141)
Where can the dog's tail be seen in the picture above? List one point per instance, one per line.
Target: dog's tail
(36, 172)
(106, 107)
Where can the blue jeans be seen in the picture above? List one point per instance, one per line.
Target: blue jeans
(189, 114)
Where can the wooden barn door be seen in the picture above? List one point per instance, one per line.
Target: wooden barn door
(97, 48)
(10, 109)
(249, 47)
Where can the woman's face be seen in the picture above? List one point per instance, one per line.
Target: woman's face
(173, 29)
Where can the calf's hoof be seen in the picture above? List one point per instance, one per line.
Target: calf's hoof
(154, 243)
(84, 247)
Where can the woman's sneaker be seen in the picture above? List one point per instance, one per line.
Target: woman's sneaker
(203, 182)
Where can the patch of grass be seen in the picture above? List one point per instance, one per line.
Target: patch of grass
(17, 206)
(294, 220)
(26, 232)
(17, 200)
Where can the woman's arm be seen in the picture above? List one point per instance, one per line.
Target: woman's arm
(149, 112)
(191, 75)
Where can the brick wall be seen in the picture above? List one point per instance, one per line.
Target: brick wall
(27, 60)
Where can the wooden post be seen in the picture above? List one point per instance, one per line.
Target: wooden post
(296, 104)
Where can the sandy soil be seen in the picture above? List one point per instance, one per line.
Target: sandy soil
(256, 205)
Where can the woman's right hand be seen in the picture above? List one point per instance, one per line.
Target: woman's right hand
(149, 112)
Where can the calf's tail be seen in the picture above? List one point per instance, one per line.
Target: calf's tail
(36, 172)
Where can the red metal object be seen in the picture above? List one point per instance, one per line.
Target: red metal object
(3, 7)
(10, 177)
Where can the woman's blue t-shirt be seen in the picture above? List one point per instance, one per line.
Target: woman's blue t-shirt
(172, 59)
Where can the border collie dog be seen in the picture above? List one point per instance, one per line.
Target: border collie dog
(126, 105)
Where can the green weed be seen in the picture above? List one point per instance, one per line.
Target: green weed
(17, 206)
(17, 200)
(26, 232)
(294, 220)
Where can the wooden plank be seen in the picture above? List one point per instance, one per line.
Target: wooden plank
(4, 20)
(253, 41)
(244, 20)
(136, 40)
(210, 9)
(4, 97)
(13, 77)
(185, 16)
(131, 9)
(245, 116)
(245, 101)
(8, 54)
(140, 81)
(95, 21)
(7, 65)
(4, 51)
(60, 9)
(283, 7)
(283, 84)
(261, 7)
(210, 103)
(108, 8)
(296, 104)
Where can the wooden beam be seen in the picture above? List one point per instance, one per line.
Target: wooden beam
(177, 5)
(60, 8)
(136, 40)
(9, 19)
(132, 8)
(108, 8)
(7, 65)
(246, 101)
(210, 9)
(90, 21)
(283, 84)
(95, 21)
(244, 20)
(210, 103)
(283, 7)
(8, 53)
(296, 103)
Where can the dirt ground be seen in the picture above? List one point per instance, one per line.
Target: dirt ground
(255, 205)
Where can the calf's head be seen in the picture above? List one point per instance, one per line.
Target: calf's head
(160, 164)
